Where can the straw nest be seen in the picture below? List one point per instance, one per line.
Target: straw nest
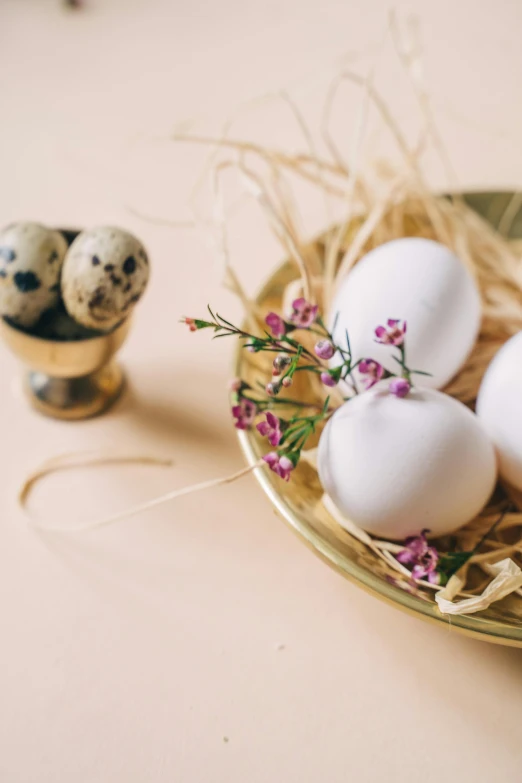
(374, 202)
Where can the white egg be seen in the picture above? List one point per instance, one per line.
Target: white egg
(499, 407)
(395, 466)
(31, 258)
(423, 283)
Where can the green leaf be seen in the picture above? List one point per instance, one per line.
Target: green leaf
(450, 562)
(347, 340)
(399, 361)
(227, 323)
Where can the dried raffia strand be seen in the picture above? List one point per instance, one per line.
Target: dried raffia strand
(362, 536)
(289, 210)
(410, 157)
(258, 190)
(507, 579)
(354, 188)
(364, 233)
(230, 278)
(139, 508)
(412, 58)
(280, 222)
(73, 460)
(295, 163)
(385, 550)
(294, 108)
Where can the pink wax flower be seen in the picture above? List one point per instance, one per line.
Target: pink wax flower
(235, 384)
(276, 325)
(244, 413)
(328, 380)
(373, 372)
(391, 334)
(422, 557)
(281, 465)
(304, 313)
(271, 428)
(400, 387)
(191, 323)
(324, 349)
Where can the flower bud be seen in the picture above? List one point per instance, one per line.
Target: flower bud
(400, 387)
(280, 363)
(324, 349)
(327, 379)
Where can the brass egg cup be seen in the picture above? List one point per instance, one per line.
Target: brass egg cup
(73, 379)
(69, 379)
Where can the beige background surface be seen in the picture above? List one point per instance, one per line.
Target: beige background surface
(201, 641)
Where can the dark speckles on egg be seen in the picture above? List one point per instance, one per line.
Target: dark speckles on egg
(109, 267)
(129, 265)
(55, 287)
(95, 261)
(115, 280)
(53, 257)
(97, 298)
(127, 288)
(8, 254)
(26, 281)
(3, 272)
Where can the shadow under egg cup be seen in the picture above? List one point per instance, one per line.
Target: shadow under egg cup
(73, 379)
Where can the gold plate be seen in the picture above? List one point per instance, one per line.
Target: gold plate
(298, 502)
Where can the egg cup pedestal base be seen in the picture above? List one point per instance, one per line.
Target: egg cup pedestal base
(74, 398)
(70, 379)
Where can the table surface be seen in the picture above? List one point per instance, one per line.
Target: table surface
(201, 641)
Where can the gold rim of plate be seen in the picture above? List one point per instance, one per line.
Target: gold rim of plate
(298, 501)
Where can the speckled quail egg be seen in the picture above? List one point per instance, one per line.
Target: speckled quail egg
(31, 258)
(105, 273)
